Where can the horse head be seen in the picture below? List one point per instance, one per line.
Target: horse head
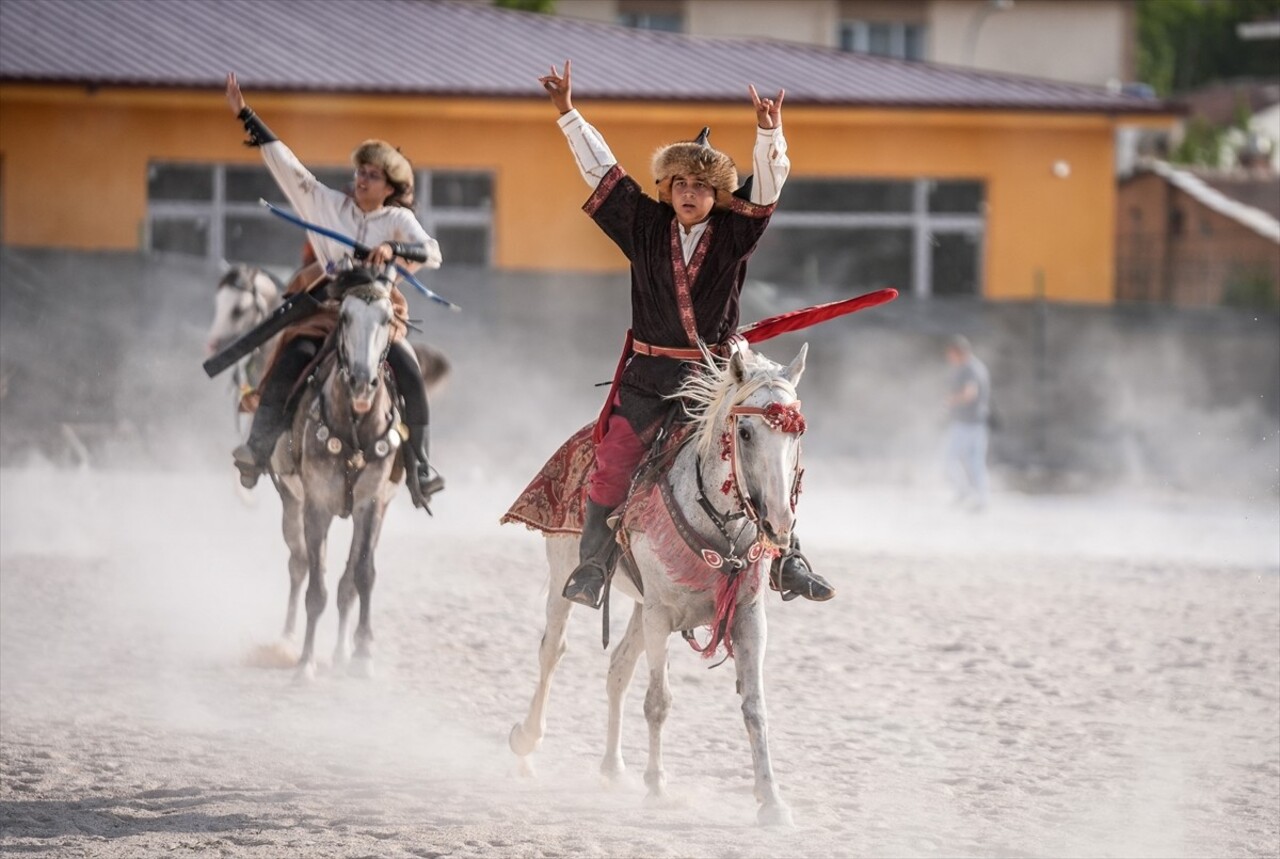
(245, 296)
(364, 334)
(747, 412)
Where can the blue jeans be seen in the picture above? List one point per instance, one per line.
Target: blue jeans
(966, 462)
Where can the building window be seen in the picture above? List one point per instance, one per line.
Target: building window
(898, 39)
(212, 211)
(923, 235)
(664, 15)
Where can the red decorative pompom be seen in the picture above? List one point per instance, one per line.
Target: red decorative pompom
(726, 445)
(786, 419)
(727, 486)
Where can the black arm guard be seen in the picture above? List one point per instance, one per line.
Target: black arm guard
(416, 252)
(255, 128)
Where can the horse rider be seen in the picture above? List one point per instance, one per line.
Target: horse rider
(377, 213)
(688, 251)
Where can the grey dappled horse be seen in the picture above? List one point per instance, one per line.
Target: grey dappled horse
(248, 294)
(745, 451)
(338, 460)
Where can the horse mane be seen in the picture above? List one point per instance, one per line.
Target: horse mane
(368, 292)
(711, 390)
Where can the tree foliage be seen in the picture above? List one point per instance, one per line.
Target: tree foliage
(546, 7)
(1185, 43)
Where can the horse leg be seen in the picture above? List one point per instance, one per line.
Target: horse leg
(296, 541)
(316, 530)
(526, 736)
(345, 597)
(657, 700)
(750, 631)
(622, 667)
(367, 526)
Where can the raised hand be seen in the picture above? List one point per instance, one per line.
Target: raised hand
(559, 88)
(234, 96)
(768, 110)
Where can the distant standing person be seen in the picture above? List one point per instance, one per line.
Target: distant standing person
(969, 405)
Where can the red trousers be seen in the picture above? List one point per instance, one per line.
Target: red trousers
(618, 455)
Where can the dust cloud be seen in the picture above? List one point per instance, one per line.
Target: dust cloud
(1090, 667)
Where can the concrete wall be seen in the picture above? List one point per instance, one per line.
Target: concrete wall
(1080, 41)
(107, 347)
(1030, 38)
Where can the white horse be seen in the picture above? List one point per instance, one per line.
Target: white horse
(245, 296)
(698, 541)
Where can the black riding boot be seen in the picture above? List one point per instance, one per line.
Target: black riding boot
(791, 575)
(272, 416)
(595, 558)
(424, 481)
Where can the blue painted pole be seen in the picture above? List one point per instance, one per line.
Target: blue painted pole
(352, 243)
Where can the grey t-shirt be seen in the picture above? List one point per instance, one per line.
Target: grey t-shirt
(979, 409)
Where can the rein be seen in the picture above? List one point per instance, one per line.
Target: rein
(779, 418)
(357, 456)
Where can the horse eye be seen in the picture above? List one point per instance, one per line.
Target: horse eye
(237, 312)
(744, 433)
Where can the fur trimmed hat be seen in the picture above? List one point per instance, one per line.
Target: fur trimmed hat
(695, 158)
(387, 158)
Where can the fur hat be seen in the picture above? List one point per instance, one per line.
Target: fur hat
(380, 154)
(695, 158)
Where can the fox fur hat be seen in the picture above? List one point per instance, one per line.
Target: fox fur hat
(387, 158)
(695, 158)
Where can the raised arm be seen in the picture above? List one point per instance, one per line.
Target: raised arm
(770, 164)
(311, 199)
(589, 149)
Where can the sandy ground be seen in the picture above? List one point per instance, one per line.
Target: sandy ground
(1062, 676)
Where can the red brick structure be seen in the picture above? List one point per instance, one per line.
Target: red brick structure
(1191, 240)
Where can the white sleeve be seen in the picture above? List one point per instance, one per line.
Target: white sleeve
(415, 234)
(295, 180)
(770, 164)
(589, 149)
(312, 200)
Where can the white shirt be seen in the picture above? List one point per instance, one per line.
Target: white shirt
(337, 211)
(769, 160)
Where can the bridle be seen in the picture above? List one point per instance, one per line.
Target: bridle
(779, 418)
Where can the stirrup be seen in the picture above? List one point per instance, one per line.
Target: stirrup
(586, 584)
(811, 585)
(422, 491)
(250, 470)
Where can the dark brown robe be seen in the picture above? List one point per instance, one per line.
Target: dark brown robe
(648, 233)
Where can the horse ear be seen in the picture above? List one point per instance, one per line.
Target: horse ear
(737, 367)
(796, 368)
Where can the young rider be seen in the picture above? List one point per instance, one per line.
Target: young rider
(377, 214)
(688, 251)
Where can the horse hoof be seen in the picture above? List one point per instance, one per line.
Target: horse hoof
(305, 675)
(774, 814)
(612, 769)
(361, 668)
(526, 768)
(521, 743)
(657, 784)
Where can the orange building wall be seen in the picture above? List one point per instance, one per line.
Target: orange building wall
(75, 166)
